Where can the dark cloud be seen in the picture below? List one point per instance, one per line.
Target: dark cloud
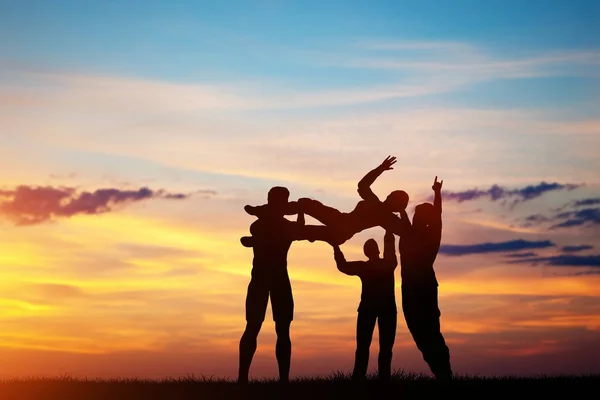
(522, 255)
(496, 192)
(564, 260)
(583, 217)
(499, 247)
(28, 205)
(573, 249)
(586, 202)
(572, 214)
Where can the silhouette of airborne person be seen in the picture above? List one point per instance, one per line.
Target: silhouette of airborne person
(418, 250)
(339, 226)
(378, 303)
(272, 237)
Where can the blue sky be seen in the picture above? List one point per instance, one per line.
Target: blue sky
(303, 45)
(160, 37)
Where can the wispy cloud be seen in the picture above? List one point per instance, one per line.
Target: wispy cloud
(574, 249)
(473, 63)
(564, 260)
(577, 214)
(27, 205)
(584, 217)
(586, 202)
(496, 192)
(522, 255)
(498, 247)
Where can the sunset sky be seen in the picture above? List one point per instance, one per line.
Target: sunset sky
(134, 132)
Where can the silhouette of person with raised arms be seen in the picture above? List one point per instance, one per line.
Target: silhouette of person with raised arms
(272, 237)
(418, 250)
(368, 213)
(378, 303)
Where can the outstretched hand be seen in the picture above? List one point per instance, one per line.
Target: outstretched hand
(437, 186)
(387, 163)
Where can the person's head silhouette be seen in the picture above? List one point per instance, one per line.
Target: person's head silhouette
(397, 200)
(425, 214)
(371, 249)
(277, 199)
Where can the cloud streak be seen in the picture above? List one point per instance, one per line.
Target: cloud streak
(29, 205)
(498, 247)
(496, 192)
(564, 260)
(575, 249)
(585, 217)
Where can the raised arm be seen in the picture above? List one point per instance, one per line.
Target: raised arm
(389, 249)
(434, 238)
(347, 267)
(437, 189)
(364, 186)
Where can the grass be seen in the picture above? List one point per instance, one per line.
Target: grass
(336, 386)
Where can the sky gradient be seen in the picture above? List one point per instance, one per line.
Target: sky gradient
(134, 132)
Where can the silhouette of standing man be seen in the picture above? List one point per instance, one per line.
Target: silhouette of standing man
(272, 236)
(418, 250)
(378, 303)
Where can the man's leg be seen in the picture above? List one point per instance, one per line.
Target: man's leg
(386, 323)
(282, 303)
(256, 307)
(248, 345)
(422, 318)
(365, 324)
(283, 350)
(326, 215)
(437, 354)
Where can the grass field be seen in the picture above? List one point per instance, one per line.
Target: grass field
(336, 386)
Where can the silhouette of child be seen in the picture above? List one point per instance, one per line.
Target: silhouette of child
(339, 226)
(418, 250)
(378, 303)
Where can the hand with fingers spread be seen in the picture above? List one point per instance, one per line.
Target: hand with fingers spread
(437, 186)
(387, 163)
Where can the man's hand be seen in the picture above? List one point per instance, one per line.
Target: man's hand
(247, 241)
(437, 186)
(386, 165)
(250, 210)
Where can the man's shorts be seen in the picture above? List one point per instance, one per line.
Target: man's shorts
(282, 301)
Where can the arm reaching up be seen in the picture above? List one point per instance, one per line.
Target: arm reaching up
(364, 186)
(347, 267)
(435, 231)
(437, 188)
